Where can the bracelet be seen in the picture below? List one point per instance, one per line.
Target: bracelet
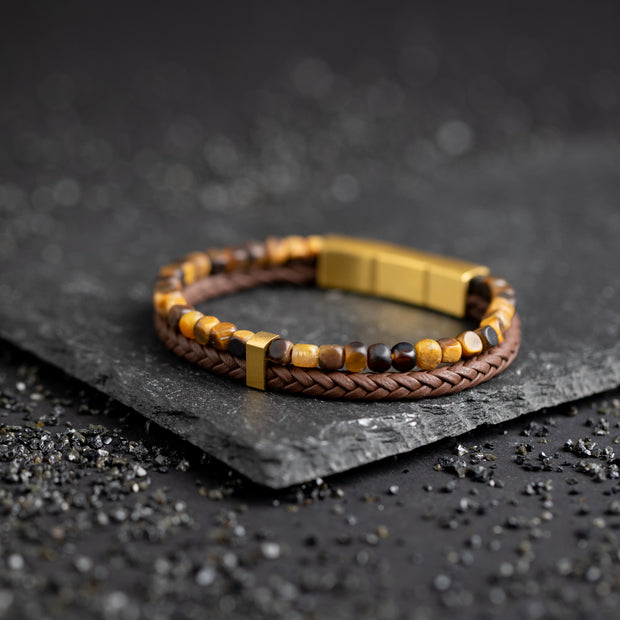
(353, 371)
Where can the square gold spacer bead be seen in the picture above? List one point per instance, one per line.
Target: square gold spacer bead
(255, 358)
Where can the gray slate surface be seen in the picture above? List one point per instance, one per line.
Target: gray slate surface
(549, 225)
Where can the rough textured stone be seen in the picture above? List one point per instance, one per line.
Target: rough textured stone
(103, 181)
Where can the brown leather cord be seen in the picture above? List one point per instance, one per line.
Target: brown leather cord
(337, 384)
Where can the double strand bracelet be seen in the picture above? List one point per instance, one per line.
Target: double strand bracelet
(355, 371)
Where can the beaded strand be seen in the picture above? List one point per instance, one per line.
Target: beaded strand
(426, 354)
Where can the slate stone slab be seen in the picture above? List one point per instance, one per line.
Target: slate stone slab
(550, 226)
(112, 164)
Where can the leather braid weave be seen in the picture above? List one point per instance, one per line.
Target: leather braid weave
(337, 384)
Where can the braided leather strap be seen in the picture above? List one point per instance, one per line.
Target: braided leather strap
(337, 384)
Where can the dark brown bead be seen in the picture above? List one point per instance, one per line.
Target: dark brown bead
(280, 351)
(175, 313)
(239, 258)
(331, 356)
(479, 286)
(220, 258)
(355, 358)
(257, 253)
(488, 336)
(379, 357)
(403, 356)
(237, 342)
(167, 284)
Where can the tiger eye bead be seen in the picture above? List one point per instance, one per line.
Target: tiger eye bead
(220, 258)
(172, 270)
(494, 322)
(502, 317)
(331, 356)
(203, 327)
(379, 357)
(470, 343)
(189, 272)
(451, 350)
(201, 262)
(239, 258)
(164, 301)
(355, 356)
(176, 312)
(280, 351)
(500, 304)
(237, 342)
(277, 250)
(500, 288)
(167, 285)
(297, 247)
(221, 334)
(495, 282)
(488, 336)
(480, 286)
(187, 322)
(305, 355)
(428, 354)
(315, 244)
(257, 253)
(403, 356)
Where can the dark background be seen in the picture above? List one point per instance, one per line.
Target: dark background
(228, 116)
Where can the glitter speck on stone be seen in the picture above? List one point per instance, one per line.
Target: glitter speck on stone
(270, 550)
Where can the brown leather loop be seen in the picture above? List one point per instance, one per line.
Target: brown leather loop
(338, 384)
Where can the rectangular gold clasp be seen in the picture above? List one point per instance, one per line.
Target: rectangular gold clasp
(255, 359)
(390, 271)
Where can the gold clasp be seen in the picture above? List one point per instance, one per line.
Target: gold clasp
(390, 271)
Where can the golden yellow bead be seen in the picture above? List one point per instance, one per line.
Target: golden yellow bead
(277, 250)
(187, 322)
(471, 343)
(496, 324)
(305, 355)
(428, 354)
(451, 350)
(189, 272)
(203, 327)
(315, 244)
(164, 301)
(201, 262)
(174, 299)
(502, 317)
(297, 247)
(501, 304)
